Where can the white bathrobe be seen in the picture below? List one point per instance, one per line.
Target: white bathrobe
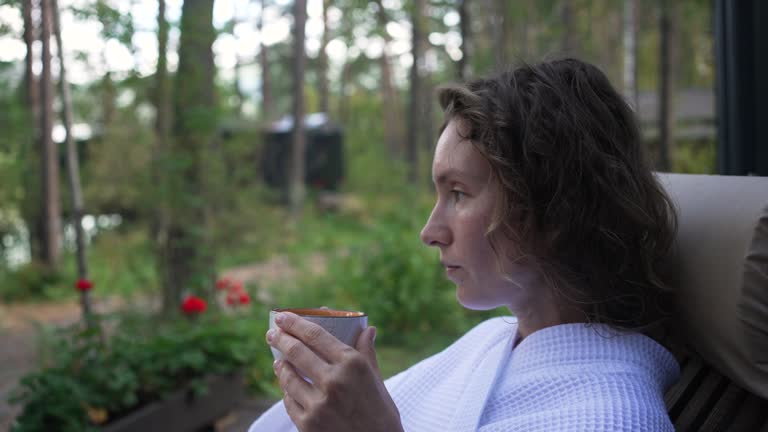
(569, 377)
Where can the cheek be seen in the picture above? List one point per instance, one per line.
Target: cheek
(472, 224)
(481, 256)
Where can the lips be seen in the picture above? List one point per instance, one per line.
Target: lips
(449, 266)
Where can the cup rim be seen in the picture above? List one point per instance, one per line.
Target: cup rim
(308, 312)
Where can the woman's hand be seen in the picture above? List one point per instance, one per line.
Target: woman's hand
(346, 392)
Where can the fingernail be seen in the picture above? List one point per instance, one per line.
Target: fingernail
(271, 335)
(276, 365)
(373, 335)
(279, 318)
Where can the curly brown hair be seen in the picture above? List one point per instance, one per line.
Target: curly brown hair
(578, 191)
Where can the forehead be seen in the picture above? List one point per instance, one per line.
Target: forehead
(456, 156)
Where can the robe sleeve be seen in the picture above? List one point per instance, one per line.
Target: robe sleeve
(276, 418)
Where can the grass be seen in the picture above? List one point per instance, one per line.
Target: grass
(397, 358)
(120, 263)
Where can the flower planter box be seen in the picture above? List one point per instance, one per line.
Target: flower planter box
(184, 411)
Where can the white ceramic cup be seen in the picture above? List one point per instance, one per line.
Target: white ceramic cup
(346, 326)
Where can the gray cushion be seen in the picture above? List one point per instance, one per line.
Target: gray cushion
(720, 272)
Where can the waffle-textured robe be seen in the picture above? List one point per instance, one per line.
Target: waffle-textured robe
(569, 377)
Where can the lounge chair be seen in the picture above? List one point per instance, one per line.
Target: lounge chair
(720, 272)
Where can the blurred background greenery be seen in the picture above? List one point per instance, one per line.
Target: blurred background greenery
(173, 107)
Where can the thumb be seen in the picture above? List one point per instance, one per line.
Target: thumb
(366, 346)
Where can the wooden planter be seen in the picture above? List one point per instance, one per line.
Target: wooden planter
(184, 411)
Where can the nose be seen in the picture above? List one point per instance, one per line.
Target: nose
(435, 232)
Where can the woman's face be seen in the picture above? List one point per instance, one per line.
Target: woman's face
(466, 196)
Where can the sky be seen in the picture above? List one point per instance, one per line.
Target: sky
(84, 37)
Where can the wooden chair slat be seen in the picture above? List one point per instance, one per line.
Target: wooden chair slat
(677, 397)
(751, 415)
(724, 411)
(701, 401)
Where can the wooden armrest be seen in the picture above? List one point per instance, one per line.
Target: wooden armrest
(705, 400)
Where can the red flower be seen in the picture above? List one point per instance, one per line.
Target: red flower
(244, 299)
(84, 285)
(236, 287)
(222, 283)
(231, 300)
(193, 305)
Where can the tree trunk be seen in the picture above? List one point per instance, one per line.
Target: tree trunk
(391, 105)
(569, 43)
(108, 95)
(30, 80)
(298, 145)
(465, 28)
(239, 97)
(323, 62)
(73, 169)
(499, 30)
(346, 72)
(50, 160)
(667, 72)
(189, 251)
(529, 30)
(266, 82)
(427, 95)
(31, 208)
(159, 229)
(629, 30)
(162, 121)
(415, 107)
(428, 122)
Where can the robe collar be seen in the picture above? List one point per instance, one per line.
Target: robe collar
(580, 343)
(482, 380)
(557, 346)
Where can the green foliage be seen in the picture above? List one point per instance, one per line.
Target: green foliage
(12, 3)
(695, 157)
(115, 177)
(142, 360)
(371, 170)
(31, 281)
(397, 358)
(115, 25)
(120, 263)
(14, 143)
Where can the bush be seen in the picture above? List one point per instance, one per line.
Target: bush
(93, 378)
(30, 281)
(120, 262)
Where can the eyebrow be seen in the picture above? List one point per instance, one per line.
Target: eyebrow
(446, 175)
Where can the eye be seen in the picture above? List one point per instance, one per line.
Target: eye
(457, 195)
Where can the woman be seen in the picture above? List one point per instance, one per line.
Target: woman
(545, 205)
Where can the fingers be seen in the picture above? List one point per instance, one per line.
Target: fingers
(365, 346)
(293, 385)
(313, 336)
(294, 409)
(298, 354)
